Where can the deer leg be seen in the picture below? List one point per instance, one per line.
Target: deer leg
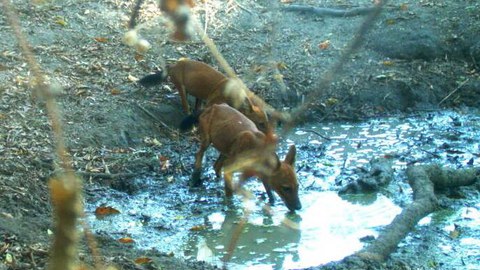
(183, 94)
(218, 165)
(198, 103)
(195, 180)
(268, 189)
(228, 178)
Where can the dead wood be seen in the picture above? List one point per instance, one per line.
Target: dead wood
(424, 180)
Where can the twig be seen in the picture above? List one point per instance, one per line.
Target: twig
(336, 69)
(430, 153)
(30, 254)
(317, 133)
(453, 92)
(147, 112)
(330, 11)
(242, 7)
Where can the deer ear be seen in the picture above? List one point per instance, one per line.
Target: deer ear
(277, 167)
(290, 158)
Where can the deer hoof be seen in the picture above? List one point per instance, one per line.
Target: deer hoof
(195, 180)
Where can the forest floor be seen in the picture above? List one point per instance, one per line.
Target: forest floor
(417, 56)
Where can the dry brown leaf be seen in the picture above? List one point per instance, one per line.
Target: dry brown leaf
(106, 210)
(258, 68)
(281, 65)
(143, 260)
(101, 39)
(324, 45)
(164, 162)
(198, 228)
(139, 57)
(115, 91)
(126, 240)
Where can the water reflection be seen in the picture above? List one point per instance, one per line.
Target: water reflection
(329, 228)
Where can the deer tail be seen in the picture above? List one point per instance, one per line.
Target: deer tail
(153, 79)
(190, 121)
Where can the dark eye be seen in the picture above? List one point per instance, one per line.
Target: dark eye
(286, 188)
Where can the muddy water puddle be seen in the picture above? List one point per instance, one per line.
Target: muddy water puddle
(198, 224)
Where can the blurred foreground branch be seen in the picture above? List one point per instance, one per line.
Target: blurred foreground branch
(336, 69)
(65, 188)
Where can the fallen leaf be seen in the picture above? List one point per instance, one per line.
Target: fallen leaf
(126, 240)
(454, 234)
(132, 78)
(81, 92)
(61, 21)
(101, 39)
(106, 210)
(404, 7)
(139, 57)
(387, 63)
(157, 143)
(115, 91)
(331, 101)
(3, 67)
(164, 162)
(198, 228)
(324, 45)
(142, 46)
(281, 65)
(258, 68)
(9, 258)
(278, 77)
(390, 21)
(143, 260)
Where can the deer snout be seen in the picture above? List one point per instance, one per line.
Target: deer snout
(296, 205)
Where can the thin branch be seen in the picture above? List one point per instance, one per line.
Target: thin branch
(453, 92)
(337, 67)
(330, 11)
(318, 134)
